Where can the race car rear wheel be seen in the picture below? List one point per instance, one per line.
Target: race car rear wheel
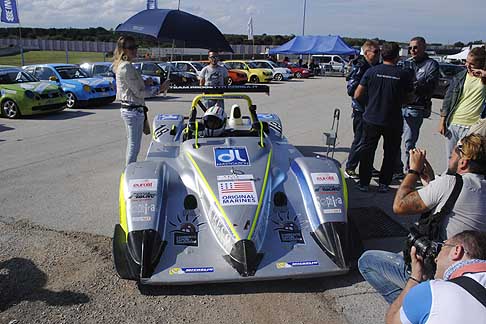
(279, 77)
(71, 100)
(230, 81)
(298, 75)
(10, 109)
(254, 79)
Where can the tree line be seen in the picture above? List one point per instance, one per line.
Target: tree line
(108, 35)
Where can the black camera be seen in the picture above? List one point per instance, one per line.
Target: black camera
(426, 248)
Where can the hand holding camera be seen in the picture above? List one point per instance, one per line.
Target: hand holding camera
(417, 159)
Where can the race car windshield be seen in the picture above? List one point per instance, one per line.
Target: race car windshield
(11, 77)
(71, 72)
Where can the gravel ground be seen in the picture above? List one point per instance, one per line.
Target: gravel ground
(49, 276)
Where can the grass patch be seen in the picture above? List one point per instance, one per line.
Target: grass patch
(39, 57)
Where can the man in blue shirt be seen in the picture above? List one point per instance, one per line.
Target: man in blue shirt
(387, 87)
(443, 301)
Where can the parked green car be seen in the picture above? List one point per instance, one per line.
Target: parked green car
(23, 94)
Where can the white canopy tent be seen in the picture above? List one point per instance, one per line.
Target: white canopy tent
(462, 55)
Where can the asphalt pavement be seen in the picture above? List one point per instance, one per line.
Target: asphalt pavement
(62, 170)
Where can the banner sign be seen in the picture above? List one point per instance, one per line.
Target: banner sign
(9, 12)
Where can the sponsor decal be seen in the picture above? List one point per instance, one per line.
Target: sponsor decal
(141, 185)
(324, 190)
(142, 208)
(330, 201)
(275, 126)
(161, 130)
(142, 196)
(231, 156)
(176, 271)
(265, 116)
(68, 85)
(288, 228)
(142, 219)
(187, 229)
(168, 117)
(325, 178)
(234, 176)
(333, 211)
(296, 264)
(233, 193)
(8, 91)
(27, 86)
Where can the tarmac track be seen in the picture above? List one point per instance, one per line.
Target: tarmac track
(58, 204)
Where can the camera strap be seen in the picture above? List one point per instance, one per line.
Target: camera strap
(474, 288)
(429, 223)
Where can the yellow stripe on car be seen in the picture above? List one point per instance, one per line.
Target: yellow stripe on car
(345, 190)
(221, 210)
(122, 203)
(260, 201)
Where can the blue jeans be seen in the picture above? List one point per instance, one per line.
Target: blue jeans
(384, 271)
(412, 121)
(134, 125)
(454, 133)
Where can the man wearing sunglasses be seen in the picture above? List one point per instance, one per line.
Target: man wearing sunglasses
(370, 57)
(427, 75)
(446, 299)
(385, 271)
(213, 75)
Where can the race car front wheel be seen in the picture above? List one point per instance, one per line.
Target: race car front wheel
(10, 109)
(298, 75)
(71, 100)
(279, 77)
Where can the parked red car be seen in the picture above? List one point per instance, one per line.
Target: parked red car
(298, 72)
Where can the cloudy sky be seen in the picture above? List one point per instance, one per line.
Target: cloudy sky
(442, 21)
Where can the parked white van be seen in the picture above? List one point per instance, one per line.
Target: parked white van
(331, 63)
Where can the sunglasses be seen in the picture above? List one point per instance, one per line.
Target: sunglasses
(213, 57)
(410, 48)
(132, 47)
(440, 245)
(376, 51)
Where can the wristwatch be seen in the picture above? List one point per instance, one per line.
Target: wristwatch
(412, 171)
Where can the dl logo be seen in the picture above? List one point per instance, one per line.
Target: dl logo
(231, 156)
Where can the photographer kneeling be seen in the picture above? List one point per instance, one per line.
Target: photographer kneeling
(456, 201)
(458, 292)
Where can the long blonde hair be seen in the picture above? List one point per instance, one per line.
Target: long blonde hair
(119, 52)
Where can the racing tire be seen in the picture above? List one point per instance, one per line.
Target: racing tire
(278, 77)
(298, 75)
(254, 79)
(72, 101)
(230, 81)
(10, 109)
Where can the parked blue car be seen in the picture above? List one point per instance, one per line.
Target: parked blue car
(80, 89)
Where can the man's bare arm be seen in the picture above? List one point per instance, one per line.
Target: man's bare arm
(359, 93)
(407, 200)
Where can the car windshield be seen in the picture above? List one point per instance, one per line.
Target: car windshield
(165, 67)
(252, 65)
(15, 76)
(198, 66)
(273, 64)
(71, 72)
(451, 70)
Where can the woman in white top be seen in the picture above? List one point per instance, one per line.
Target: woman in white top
(131, 93)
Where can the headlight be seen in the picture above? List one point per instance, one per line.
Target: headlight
(86, 88)
(29, 94)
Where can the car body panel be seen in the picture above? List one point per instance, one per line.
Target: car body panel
(297, 70)
(288, 211)
(99, 92)
(286, 73)
(263, 75)
(44, 97)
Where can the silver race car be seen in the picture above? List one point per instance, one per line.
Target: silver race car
(221, 199)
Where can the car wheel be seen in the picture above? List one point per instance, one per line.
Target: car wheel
(10, 109)
(71, 100)
(230, 81)
(279, 77)
(298, 75)
(254, 79)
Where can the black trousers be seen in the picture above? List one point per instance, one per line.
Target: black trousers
(356, 146)
(392, 138)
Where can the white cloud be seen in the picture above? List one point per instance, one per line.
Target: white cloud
(437, 20)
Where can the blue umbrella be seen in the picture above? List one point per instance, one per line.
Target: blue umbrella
(169, 25)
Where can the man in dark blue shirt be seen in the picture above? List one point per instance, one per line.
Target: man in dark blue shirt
(387, 87)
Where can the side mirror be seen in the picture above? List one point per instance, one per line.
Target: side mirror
(53, 78)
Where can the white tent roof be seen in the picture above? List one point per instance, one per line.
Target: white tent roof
(459, 56)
